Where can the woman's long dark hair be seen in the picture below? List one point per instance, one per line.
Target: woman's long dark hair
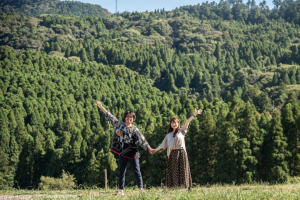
(174, 119)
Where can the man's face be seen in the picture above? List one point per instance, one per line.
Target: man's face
(129, 119)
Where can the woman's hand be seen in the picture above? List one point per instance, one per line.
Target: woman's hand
(99, 104)
(151, 151)
(198, 112)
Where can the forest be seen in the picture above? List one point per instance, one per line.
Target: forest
(33, 8)
(238, 62)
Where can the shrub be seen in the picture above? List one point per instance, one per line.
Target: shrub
(293, 180)
(66, 181)
(74, 59)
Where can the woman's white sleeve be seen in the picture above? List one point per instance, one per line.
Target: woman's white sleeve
(164, 144)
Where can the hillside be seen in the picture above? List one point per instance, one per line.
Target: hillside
(234, 65)
(33, 8)
(49, 122)
(178, 53)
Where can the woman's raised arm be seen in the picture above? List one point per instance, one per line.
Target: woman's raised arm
(197, 112)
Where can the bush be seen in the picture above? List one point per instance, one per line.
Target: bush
(293, 180)
(67, 181)
(74, 59)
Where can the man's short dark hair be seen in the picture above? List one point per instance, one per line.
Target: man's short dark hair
(130, 113)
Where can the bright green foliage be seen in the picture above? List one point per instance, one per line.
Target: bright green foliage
(65, 182)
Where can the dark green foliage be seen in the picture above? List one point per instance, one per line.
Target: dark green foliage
(36, 7)
(209, 59)
(51, 123)
(276, 154)
(205, 149)
(83, 56)
(288, 124)
(94, 174)
(226, 167)
(251, 142)
(5, 176)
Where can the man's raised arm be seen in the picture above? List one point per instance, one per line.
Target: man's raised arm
(109, 117)
(99, 104)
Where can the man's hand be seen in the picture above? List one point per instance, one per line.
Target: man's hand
(119, 133)
(151, 151)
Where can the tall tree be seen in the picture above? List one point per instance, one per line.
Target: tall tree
(217, 52)
(206, 149)
(252, 138)
(83, 56)
(288, 124)
(276, 154)
(227, 169)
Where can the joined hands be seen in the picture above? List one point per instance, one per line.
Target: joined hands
(151, 151)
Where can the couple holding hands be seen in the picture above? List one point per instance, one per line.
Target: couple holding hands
(124, 144)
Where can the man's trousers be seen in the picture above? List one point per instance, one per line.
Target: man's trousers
(135, 166)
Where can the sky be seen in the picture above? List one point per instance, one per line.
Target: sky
(151, 5)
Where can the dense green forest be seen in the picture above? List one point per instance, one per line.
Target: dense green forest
(33, 8)
(238, 62)
(178, 51)
(50, 122)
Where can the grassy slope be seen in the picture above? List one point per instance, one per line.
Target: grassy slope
(259, 191)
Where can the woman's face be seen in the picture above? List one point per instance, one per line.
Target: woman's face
(174, 125)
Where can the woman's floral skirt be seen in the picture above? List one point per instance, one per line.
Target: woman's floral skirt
(178, 171)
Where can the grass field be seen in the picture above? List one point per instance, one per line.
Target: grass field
(254, 191)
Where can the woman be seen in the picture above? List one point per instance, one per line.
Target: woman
(178, 170)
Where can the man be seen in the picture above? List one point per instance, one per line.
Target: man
(123, 144)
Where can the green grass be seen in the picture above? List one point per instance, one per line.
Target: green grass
(247, 191)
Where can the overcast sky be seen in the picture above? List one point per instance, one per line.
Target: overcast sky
(150, 5)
